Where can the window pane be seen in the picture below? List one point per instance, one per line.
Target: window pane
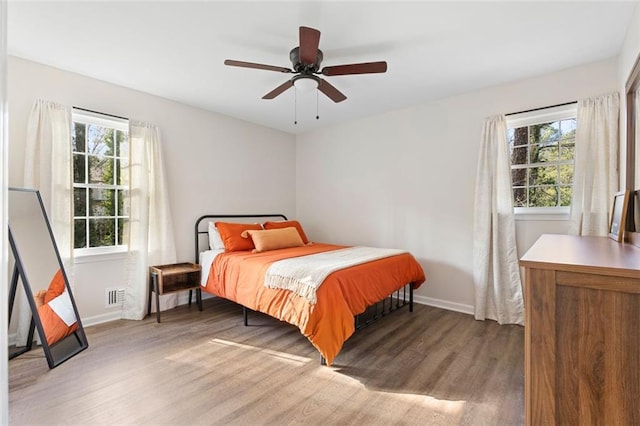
(102, 202)
(102, 232)
(79, 168)
(542, 133)
(123, 205)
(543, 175)
(519, 137)
(79, 202)
(566, 174)
(121, 227)
(518, 177)
(79, 233)
(550, 133)
(520, 197)
(78, 135)
(567, 151)
(565, 196)
(122, 144)
(519, 155)
(547, 152)
(99, 140)
(101, 170)
(534, 152)
(545, 196)
(123, 171)
(568, 128)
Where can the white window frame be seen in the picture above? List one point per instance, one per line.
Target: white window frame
(88, 117)
(530, 118)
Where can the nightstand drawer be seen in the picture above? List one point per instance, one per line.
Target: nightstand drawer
(168, 283)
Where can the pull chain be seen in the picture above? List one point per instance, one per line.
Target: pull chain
(317, 114)
(295, 106)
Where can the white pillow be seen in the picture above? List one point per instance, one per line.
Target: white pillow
(62, 306)
(215, 242)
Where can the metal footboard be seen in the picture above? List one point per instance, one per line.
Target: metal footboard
(391, 303)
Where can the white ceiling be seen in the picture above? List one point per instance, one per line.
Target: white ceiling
(433, 49)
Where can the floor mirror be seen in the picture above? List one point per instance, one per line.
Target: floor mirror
(38, 266)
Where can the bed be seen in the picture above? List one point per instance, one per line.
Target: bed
(265, 263)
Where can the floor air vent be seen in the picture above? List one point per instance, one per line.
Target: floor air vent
(114, 297)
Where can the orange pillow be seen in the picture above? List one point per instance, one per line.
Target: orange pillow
(273, 239)
(230, 234)
(54, 328)
(56, 287)
(287, 224)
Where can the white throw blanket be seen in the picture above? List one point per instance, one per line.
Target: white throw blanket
(304, 275)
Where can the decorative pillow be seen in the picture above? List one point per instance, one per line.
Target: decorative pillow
(230, 234)
(54, 327)
(287, 224)
(215, 242)
(273, 239)
(56, 287)
(55, 310)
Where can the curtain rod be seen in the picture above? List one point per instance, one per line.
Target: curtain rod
(541, 108)
(98, 112)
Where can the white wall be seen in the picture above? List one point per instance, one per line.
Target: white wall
(406, 178)
(214, 163)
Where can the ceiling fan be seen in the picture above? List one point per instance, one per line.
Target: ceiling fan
(306, 60)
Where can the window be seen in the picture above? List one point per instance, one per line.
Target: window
(541, 148)
(100, 147)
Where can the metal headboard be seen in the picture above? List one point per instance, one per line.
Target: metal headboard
(199, 232)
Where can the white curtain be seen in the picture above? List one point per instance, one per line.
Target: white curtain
(496, 274)
(48, 169)
(150, 227)
(596, 174)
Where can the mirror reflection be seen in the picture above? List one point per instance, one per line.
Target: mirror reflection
(39, 268)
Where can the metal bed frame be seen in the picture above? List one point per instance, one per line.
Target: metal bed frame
(393, 302)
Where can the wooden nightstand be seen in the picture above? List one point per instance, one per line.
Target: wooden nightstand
(164, 279)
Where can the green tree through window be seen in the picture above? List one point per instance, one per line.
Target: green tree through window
(542, 163)
(100, 150)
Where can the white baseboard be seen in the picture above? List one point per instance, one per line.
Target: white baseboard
(183, 299)
(102, 318)
(444, 304)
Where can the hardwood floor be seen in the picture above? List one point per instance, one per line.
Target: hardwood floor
(431, 366)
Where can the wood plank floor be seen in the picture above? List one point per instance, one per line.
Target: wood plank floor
(429, 367)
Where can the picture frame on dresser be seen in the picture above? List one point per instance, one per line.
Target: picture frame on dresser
(633, 219)
(617, 223)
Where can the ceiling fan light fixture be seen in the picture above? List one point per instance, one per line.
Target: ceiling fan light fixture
(306, 84)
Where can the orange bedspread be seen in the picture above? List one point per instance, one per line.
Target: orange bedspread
(239, 276)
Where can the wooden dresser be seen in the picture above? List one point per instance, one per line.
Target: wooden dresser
(582, 331)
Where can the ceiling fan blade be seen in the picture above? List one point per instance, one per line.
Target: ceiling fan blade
(363, 68)
(275, 92)
(309, 41)
(334, 94)
(242, 64)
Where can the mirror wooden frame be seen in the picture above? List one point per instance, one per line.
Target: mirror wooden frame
(632, 86)
(75, 341)
(617, 224)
